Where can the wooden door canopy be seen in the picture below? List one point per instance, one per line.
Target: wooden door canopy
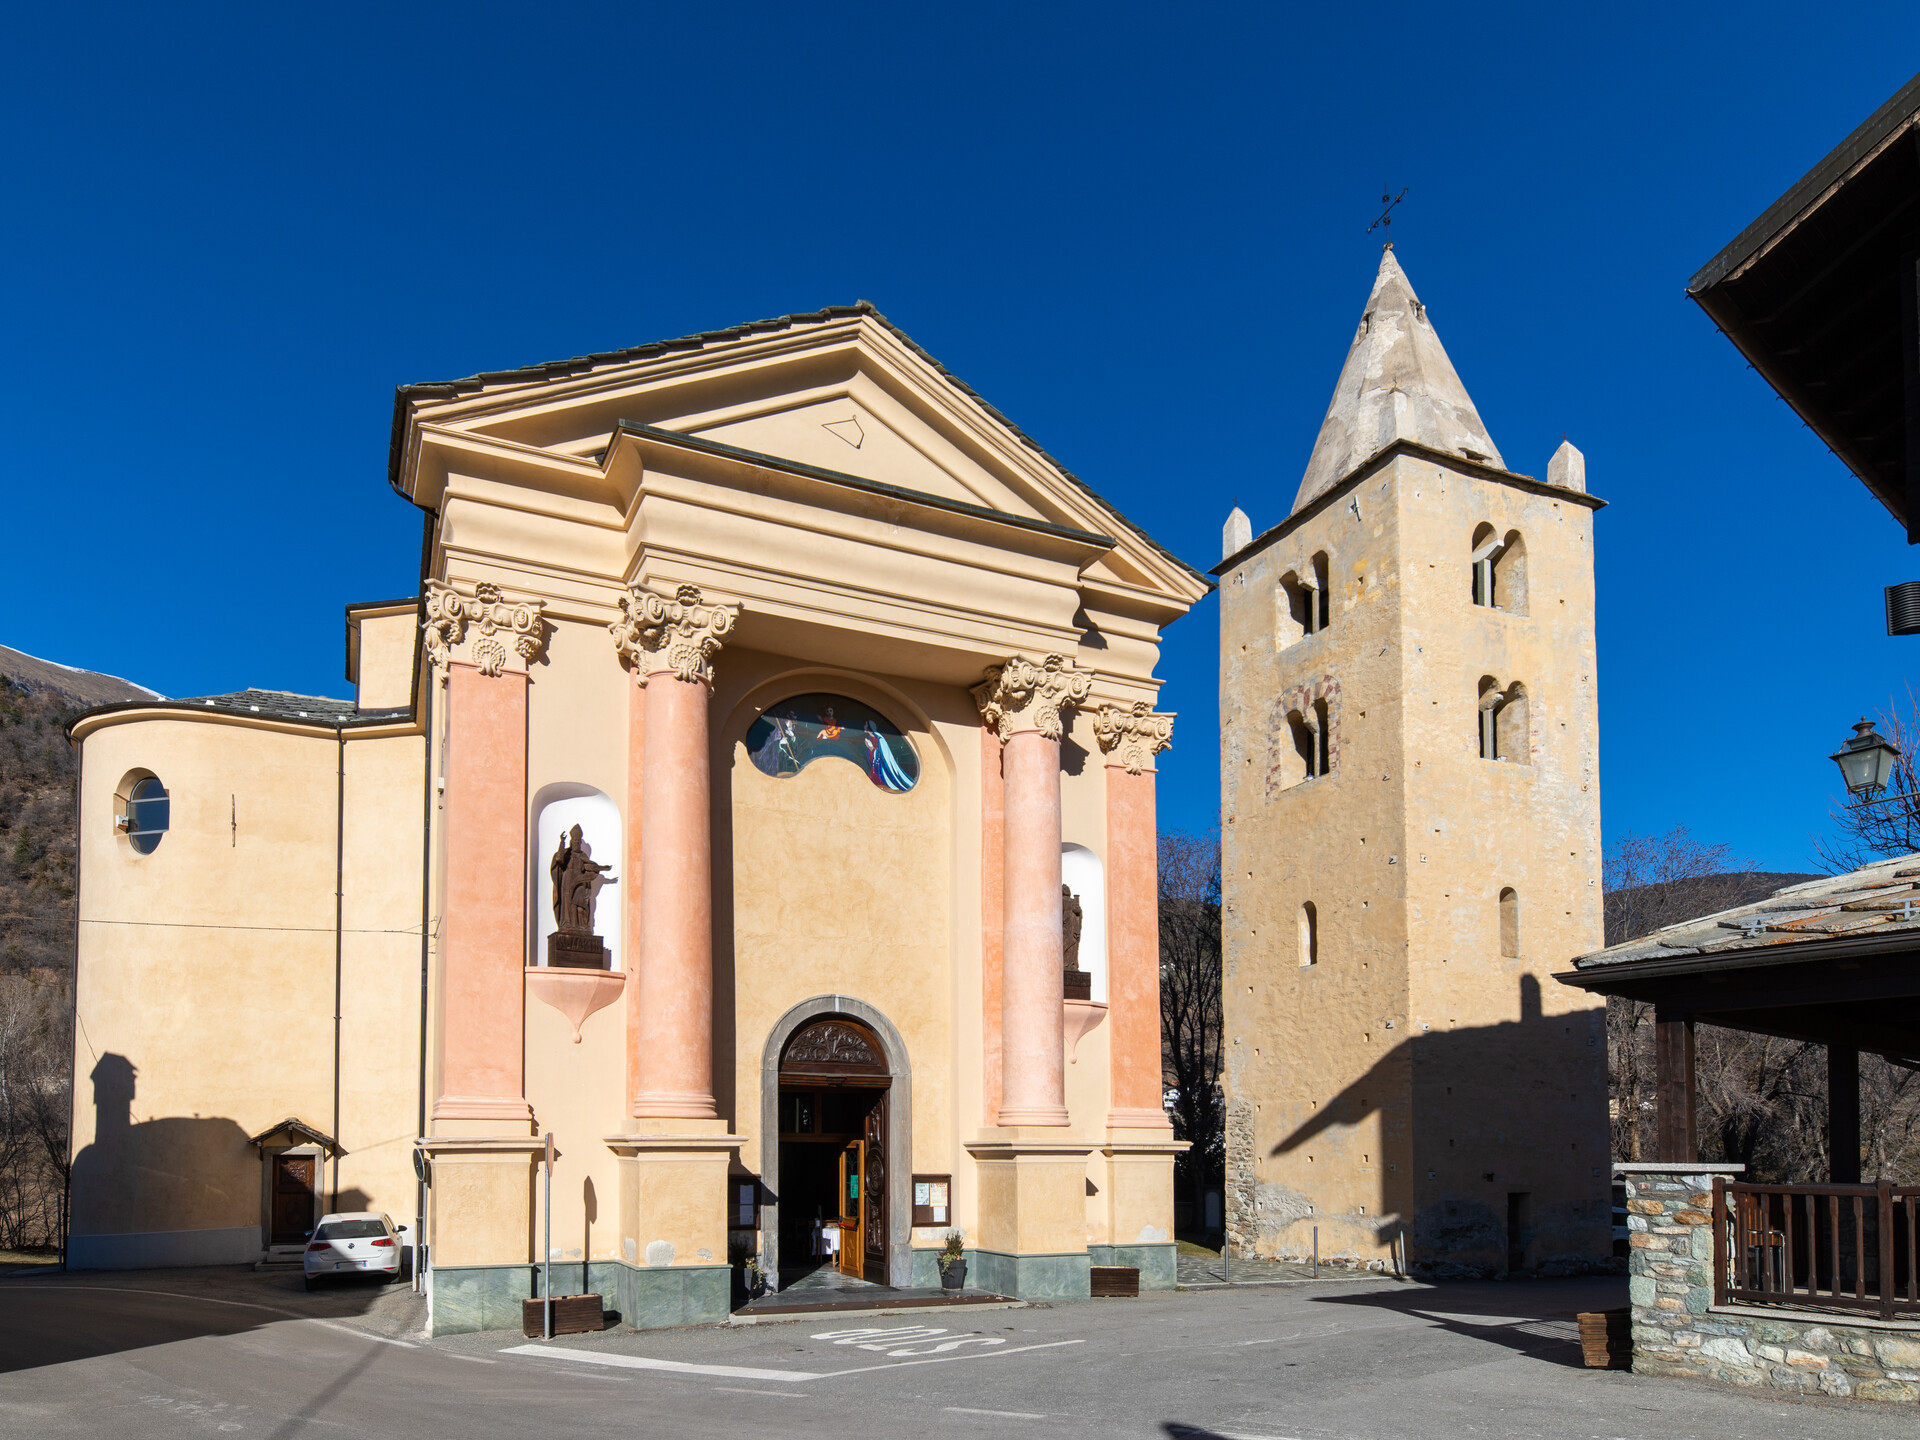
(832, 1047)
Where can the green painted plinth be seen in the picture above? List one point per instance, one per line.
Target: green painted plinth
(1031, 1277)
(488, 1297)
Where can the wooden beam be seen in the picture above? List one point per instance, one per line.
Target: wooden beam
(1676, 1137)
(1843, 1114)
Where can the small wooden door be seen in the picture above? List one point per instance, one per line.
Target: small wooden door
(294, 1177)
(853, 1248)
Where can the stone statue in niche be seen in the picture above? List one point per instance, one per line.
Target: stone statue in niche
(1077, 984)
(577, 878)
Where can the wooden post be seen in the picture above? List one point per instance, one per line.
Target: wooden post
(1843, 1114)
(1885, 1187)
(1676, 1137)
(1720, 1240)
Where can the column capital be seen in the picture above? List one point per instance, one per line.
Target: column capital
(681, 635)
(1132, 737)
(501, 627)
(1029, 695)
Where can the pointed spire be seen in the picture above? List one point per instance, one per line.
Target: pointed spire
(1568, 468)
(1397, 384)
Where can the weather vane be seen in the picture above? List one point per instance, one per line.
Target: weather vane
(1385, 223)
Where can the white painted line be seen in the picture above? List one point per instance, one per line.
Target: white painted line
(947, 1359)
(1000, 1414)
(361, 1334)
(476, 1359)
(675, 1367)
(779, 1394)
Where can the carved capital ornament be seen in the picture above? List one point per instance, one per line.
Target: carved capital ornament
(655, 634)
(1028, 695)
(498, 624)
(1133, 736)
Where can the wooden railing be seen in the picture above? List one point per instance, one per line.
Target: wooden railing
(1851, 1248)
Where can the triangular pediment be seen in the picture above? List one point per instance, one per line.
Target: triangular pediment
(840, 390)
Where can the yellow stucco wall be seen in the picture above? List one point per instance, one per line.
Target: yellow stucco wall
(207, 972)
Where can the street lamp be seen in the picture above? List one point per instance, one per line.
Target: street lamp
(1866, 761)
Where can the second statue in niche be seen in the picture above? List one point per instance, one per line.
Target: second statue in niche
(577, 878)
(1075, 983)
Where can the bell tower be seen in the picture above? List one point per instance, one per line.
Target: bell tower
(1410, 818)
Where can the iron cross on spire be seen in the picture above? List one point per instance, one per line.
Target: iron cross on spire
(1385, 223)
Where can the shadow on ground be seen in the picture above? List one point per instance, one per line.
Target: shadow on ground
(51, 1319)
(1535, 1319)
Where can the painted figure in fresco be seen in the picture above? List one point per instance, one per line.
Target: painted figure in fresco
(576, 880)
(829, 727)
(882, 768)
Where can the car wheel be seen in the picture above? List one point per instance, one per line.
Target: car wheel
(312, 1284)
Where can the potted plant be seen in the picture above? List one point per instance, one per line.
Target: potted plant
(953, 1263)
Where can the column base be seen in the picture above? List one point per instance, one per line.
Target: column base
(482, 1115)
(481, 1202)
(673, 1198)
(1138, 1190)
(674, 1105)
(1046, 1116)
(1033, 1215)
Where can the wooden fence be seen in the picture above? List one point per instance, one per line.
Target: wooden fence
(1845, 1248)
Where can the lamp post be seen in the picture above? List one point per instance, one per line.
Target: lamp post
(1866, 762)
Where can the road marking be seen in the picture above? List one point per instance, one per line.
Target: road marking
(781, 1394)
(170, 1294)
(912, 1339)
(676, 1367)
(361, 1334)
(1002, 1414)
(945, 1359)
(476, 1359)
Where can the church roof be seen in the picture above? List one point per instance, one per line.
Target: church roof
(1397, 385)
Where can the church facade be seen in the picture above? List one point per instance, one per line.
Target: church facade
(1410, 814)
(758, 798)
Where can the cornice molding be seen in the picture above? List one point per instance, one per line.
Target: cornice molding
(497, 623)
(655, 635)
(1028, 695)
(1133, 736)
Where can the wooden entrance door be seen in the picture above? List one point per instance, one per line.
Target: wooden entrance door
(294, 1178)
(873, 1201)
(852, 1175)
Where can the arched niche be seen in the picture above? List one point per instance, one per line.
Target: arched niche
(556, 809)
(1083, 874)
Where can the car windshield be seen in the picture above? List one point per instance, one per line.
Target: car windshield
(350, 1230)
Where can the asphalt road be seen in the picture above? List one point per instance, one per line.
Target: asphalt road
(166, 1354)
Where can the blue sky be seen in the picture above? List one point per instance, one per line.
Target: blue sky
(1138, 231)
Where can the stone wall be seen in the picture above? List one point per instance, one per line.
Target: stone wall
(1678, 1331)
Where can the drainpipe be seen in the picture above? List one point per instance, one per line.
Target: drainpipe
(73, 1028)
(339, 891)
(426, 901)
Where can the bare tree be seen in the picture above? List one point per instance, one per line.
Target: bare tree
(1190, 999)
(34, 1093)
(1890, 824)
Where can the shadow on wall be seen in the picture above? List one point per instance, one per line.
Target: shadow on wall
(179, 1173)
(1496, 1112)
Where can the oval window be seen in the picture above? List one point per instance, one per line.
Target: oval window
(144, 814)
(791, 735)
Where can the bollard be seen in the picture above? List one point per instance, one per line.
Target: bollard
(1316, 1252)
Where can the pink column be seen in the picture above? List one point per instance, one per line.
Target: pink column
(993, 917)
(1133, 951)
(1131, 738)
(676, 886)
(482, 965)
(634, 925)
(1033, 1066)
(671, 645)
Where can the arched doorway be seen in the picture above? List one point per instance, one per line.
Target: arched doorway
(836, 1154)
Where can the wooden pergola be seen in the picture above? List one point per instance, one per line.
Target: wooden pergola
(1834, 962)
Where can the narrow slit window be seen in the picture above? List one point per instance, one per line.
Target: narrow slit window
(1510, 923)
(1309, 935)
(1486, 547)
(1323, 591)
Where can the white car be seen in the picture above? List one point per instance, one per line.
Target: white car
(355, 1242)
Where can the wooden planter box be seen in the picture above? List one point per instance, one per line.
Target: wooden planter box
(1606, 1339)
(1115, 1282)
(572, 1315)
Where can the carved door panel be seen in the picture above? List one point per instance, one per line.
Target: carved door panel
(873, 1203)
(852, 1188)
(294, 1177)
